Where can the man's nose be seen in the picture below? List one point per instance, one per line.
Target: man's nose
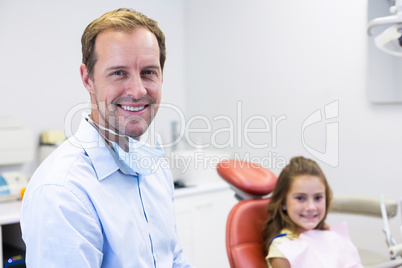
(135, 88)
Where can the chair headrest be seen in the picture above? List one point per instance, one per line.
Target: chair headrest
(250, 178)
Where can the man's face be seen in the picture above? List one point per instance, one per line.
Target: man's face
(126, 82)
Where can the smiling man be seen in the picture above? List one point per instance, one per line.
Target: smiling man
(102, 199)
(126, 83)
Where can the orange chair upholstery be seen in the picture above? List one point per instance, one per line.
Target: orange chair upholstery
(244, 228)
(244, 234)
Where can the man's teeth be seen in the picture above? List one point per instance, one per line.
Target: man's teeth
(132, 109)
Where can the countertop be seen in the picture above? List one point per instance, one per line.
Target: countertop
(201, 189)
(10, 212)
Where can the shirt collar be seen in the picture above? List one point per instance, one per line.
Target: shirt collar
(289, 233)
(96, 148)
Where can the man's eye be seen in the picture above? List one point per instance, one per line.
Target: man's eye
(118, 73)
(148, 72)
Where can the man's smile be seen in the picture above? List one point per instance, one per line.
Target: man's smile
(131, 108)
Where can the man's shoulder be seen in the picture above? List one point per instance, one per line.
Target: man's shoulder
(67, 159)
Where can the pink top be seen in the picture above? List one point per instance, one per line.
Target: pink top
(316, 248)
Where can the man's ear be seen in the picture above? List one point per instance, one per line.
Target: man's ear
(86, 79)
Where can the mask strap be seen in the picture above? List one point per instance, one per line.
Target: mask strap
(103, 128)
(139, 143)
(95, 125)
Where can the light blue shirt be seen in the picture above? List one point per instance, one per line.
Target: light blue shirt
(80, 210)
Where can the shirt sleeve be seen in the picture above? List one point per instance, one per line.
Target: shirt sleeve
(60, 230)
(273, 252)
(179, 260)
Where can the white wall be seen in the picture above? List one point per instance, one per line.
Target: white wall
(291, 58)
(277, 58)
(40, 52)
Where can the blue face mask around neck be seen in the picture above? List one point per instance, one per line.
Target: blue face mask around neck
(141, 158)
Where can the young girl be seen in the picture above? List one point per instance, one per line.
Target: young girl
(296, 233)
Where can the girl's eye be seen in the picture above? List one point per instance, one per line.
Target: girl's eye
(300, 198)
(318, 198)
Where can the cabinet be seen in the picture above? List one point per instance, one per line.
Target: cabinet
(201, 213)
(10, 231)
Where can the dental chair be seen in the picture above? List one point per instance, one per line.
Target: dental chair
(253, 185)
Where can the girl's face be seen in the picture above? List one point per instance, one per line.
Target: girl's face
(305, 202)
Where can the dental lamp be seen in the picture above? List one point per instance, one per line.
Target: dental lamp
(390, 40)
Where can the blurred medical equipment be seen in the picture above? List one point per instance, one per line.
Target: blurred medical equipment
(395, 250)
(11, 185)
(253, 185)
(49, 141)
(192, 167)
(16, 142)
(390, 39)
(16, 147)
